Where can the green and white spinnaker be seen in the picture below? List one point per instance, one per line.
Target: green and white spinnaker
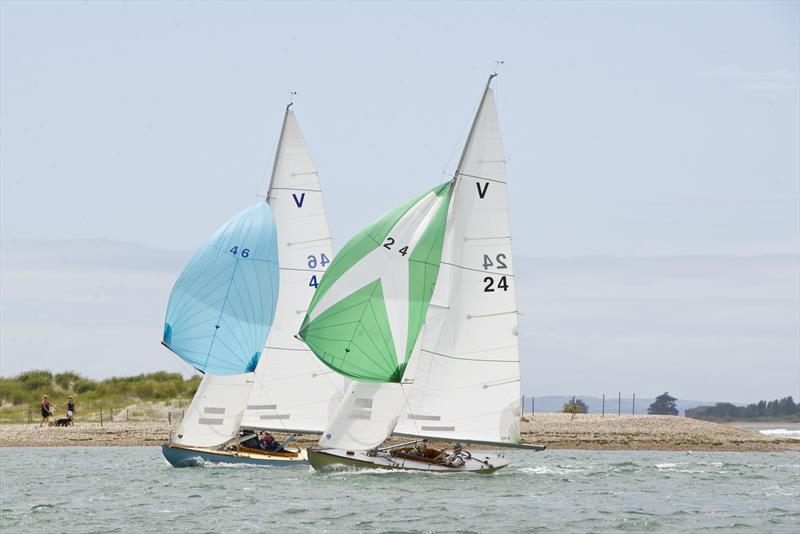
(367, 313)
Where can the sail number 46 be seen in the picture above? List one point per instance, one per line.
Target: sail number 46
(245, 253)
(312, 263)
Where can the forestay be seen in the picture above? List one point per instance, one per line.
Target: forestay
(365, 318)
(466, 376)
(293, 390)
(222, 305)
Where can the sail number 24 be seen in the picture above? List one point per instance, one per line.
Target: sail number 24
(498, 263)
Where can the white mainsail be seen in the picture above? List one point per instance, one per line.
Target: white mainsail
(466, 377)
(290, 389)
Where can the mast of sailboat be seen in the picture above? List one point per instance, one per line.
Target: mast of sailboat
(474, 125)
(278, 149)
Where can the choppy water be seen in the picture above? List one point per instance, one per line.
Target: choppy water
(118, 489)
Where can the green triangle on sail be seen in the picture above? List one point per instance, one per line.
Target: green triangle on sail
(349, 325)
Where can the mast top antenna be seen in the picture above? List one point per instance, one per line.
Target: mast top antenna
(497, 63)
(291, 99)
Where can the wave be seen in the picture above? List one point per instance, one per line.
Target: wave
(781, 433)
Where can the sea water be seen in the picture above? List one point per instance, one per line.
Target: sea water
(133, 489)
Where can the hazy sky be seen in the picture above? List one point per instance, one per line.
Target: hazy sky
(635, 131)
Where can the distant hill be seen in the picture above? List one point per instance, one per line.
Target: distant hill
(554, 403)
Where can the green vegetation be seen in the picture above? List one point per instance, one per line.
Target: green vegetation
(663, 405)
(784, 408)
(25, 390)
(575, 406)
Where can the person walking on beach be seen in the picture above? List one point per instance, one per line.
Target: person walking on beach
(70, 409)
(45, 410)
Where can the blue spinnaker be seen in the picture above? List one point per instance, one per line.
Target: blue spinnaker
(221, 308)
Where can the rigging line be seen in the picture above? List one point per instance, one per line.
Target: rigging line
(407, 410)
(296, 188)
(469, 359)
(221, 310)
(496, 271)
(266, 178)
(482, 178)
(303, 270)
(293, 243)
(466, 127)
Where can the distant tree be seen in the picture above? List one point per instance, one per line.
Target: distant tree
(663, 405)
(575, 406)
(725, 411)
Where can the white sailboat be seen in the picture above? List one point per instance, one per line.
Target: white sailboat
(420, 310)
(289, 390)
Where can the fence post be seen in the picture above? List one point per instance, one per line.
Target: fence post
(533, 405)
(169, 416)
(619, 403)
(633, 406)
(604, 405)
(183, 412)
(126, 415)
(30, 417)
(112, 413)
(522, 412)
(101, 416)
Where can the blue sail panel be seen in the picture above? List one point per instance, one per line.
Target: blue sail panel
(221, 308)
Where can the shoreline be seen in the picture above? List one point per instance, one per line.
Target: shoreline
(556, 431)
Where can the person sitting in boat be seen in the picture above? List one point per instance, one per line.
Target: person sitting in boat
(419, 449)
(458, 457)
(268, 443)
(252, 442)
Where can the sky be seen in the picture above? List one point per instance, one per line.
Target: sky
(654, 169)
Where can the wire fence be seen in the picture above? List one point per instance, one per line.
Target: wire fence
(97, 414)
(616, 405)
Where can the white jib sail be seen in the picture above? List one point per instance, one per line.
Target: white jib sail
(366, 416)
(466, 375)
(290, 388)
(216, 411)
(293, 390)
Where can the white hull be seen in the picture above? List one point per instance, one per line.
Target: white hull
(341, 459)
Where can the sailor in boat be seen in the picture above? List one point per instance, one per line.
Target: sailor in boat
(268, 443)
(458, 456)
(419, 449)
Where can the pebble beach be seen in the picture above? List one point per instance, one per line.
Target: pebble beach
(556, 430)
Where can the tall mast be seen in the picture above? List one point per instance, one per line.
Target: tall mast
(474, 124)
(278, 150)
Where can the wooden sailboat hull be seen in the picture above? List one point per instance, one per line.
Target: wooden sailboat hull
(196, 456)
(324, 460)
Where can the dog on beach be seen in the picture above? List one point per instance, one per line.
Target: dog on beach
(64, 421)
